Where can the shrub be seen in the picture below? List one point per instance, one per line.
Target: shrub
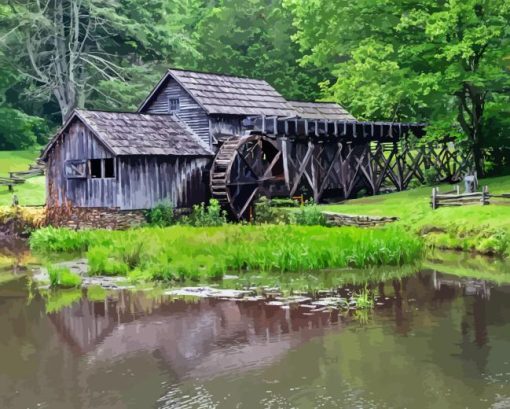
(62, 277)
(204, 216)
(431, 176)
(162, 215)
(310, 215)
(267, 212)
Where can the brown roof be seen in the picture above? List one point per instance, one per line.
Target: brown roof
(321, 110)
(139, 134)
(229, 95)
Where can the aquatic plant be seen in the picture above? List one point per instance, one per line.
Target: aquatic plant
(184, 252)
(62, 277)
(363, 299)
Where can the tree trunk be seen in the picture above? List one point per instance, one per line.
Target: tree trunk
(471, 107)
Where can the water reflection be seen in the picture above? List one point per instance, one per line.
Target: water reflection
(431, 337)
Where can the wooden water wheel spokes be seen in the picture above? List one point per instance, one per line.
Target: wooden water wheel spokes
(243, 169)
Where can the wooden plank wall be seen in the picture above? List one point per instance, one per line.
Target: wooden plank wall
(225, 126)
(190, 111)
(146, 181)
(78, 143)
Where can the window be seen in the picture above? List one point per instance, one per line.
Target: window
(109, 168)
(75, 169)
(95, 168)
(102, 168)
(173, 105)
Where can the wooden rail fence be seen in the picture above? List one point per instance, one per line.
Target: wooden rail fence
(17, 178)
(455, 198)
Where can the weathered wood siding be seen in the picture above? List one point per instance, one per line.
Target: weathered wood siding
(145, 181)
(222, 126)
(78, 143)
(190, 112)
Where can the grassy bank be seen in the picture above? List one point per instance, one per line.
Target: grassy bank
(30, 193)
(182, 252)
(12, 161)
(485, 229)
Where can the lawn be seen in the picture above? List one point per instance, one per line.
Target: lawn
(32, 192)
(482, 228)
(12, 161)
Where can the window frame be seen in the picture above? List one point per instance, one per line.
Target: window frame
(76, 162)
(177, 100)
(100, 168)
(103, 169)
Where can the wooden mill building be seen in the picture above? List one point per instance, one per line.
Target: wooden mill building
(163, 152)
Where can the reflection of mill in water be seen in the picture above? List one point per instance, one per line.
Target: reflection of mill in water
(190, 336)
(469, 286)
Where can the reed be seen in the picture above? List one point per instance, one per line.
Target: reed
(182, 252)
(62, 277)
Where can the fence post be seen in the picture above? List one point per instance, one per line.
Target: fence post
(485, 195)
(434, 193)
(457, 189)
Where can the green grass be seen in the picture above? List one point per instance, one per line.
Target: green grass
(62, 277)
(12, 161)
(181, 253)
(30, 193)
(485, 229)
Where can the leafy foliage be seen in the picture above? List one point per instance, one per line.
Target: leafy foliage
(445, 63)
(210, 215)
(310, 215)
(161, 215)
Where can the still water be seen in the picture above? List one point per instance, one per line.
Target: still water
(434, 341)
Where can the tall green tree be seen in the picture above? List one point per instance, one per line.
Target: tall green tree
(253, 38)
(442, 62)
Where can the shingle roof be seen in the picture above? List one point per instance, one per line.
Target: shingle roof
(140, 134)
(321, 110)
(225, 94)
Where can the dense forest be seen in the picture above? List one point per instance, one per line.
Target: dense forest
(445, 63)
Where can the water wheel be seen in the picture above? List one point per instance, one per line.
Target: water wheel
(245, 168)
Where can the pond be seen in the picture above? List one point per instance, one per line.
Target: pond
(433, 340)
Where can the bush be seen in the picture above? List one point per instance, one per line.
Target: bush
(310, 215)
(432, 176)
(267, 212)
(62, 277)
(162, 215)
(205, 216)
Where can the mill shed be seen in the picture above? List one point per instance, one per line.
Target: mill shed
(125, 161)
(215, 106)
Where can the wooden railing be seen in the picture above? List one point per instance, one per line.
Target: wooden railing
(455, 198)
(17, 178)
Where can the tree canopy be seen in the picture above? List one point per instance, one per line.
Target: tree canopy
(445, 63)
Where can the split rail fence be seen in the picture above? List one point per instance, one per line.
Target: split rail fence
(455, 198)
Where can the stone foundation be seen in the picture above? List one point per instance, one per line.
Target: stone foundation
(95, 218)
(338, 219)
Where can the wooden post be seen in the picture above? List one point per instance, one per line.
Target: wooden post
(485, 195)
(434, 193)
(285, 162)
(457, 189)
